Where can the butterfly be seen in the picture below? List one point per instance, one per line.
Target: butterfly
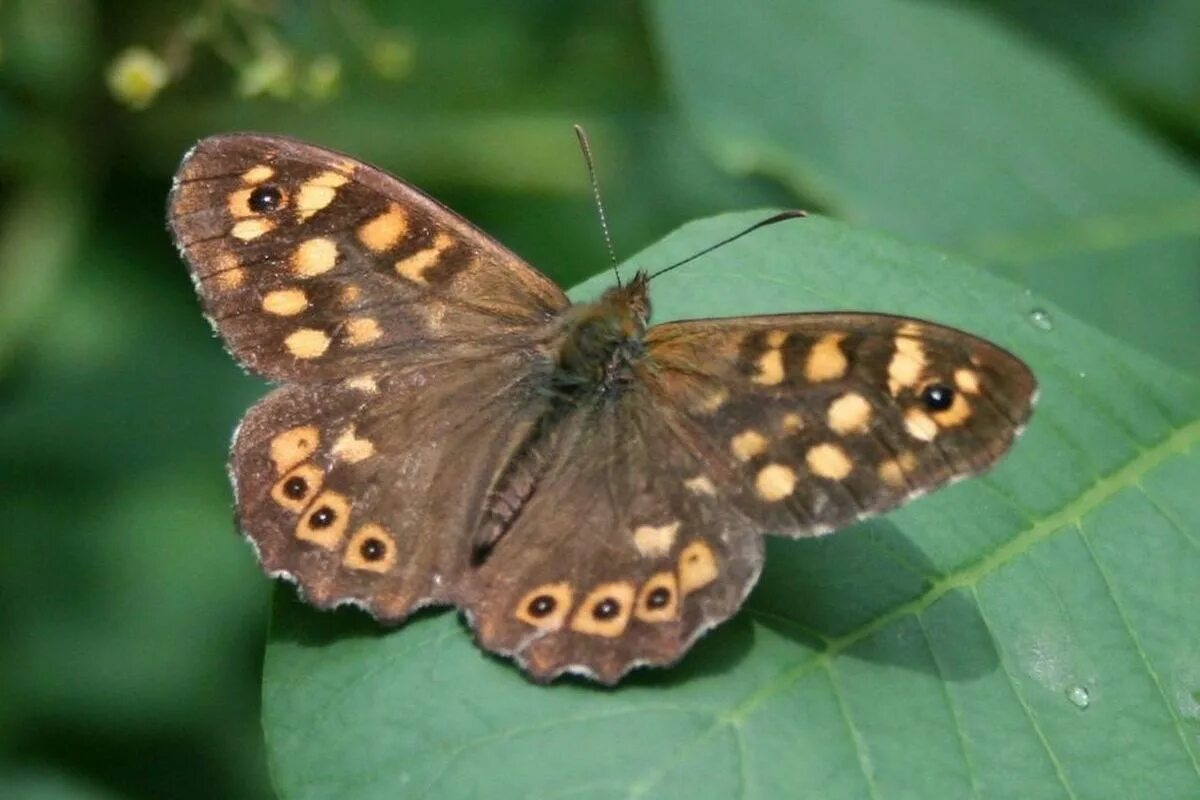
(591, 491)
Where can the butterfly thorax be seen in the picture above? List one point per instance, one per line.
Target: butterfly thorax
(602, 340)
(596, 346)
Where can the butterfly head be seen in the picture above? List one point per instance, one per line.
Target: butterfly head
(605, 337)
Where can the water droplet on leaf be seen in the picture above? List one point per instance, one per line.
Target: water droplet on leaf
(1079, 696)
(1041, 320)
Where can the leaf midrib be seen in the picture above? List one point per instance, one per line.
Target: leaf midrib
(1177, 442)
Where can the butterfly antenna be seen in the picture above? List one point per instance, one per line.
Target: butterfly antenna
(780, 217)
(581, 134)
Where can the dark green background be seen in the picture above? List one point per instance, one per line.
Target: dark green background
(131, 618)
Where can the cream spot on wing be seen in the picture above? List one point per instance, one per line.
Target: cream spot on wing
(606, 610)
(362, 330)
(435, 314)
(312, 198)
(920, 425)
(653, 541)
(285, 302)
(371, 548)
(893, 470)
(545, 607)
(257, 174)
(324, 520)
(747, 444)
(828, 461)
(239, 203)
(826, 361)
(349, 294)
(713, 401)
(791, 422)
(775, 482)
(297, 487)
(907, 364)
(294, 446)
(658, 599)
(329, 178)
(414, 267)
(850, 413)
(314, 257)
(249, 229)
(701, 484)
(967, 380)
(384, 231)
(958, 412)
(775, 339)
(307, 343)
(697, 567)
(231, 276)
(352, 449)
(770, 368)
(363, 383)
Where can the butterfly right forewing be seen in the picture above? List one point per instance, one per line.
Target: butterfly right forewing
(808, 422)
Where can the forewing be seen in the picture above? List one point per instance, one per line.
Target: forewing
(623, 556)
(811, 421)
(360, 491)
(312, 265)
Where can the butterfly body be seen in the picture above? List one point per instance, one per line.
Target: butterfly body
(589, 489)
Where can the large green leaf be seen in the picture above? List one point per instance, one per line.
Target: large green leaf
(1147, 50)
(939, 125)
(1029, 634)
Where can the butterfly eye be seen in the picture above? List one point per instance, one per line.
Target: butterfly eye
(323, 517)
(372, 549)
(265, 198)
(658, 598)
(295, 488)
(606, 609)
(542, 606)
(937, 397)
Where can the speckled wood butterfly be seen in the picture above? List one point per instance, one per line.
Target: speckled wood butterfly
(590, 491)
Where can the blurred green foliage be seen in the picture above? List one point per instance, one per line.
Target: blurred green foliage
(131, 618)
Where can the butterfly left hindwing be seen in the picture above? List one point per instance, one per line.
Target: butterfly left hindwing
(591, 492)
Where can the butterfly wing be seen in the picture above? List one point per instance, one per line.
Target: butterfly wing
(808, 422)
(360, 491)
(314, 265)
(620, 558)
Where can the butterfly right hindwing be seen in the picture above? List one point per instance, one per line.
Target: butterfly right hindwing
(623, 557)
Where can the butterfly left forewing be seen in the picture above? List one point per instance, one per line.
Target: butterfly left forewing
(314, 265)
(811, 421)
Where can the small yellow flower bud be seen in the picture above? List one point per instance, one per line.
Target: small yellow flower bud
(324, 75)
(392, 58)
(136, 77)
(270, 73)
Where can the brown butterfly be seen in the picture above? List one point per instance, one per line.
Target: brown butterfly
(590, 491)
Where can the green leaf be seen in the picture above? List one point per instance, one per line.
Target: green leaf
(946, 650)
(938, 124)
(1149, 51)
